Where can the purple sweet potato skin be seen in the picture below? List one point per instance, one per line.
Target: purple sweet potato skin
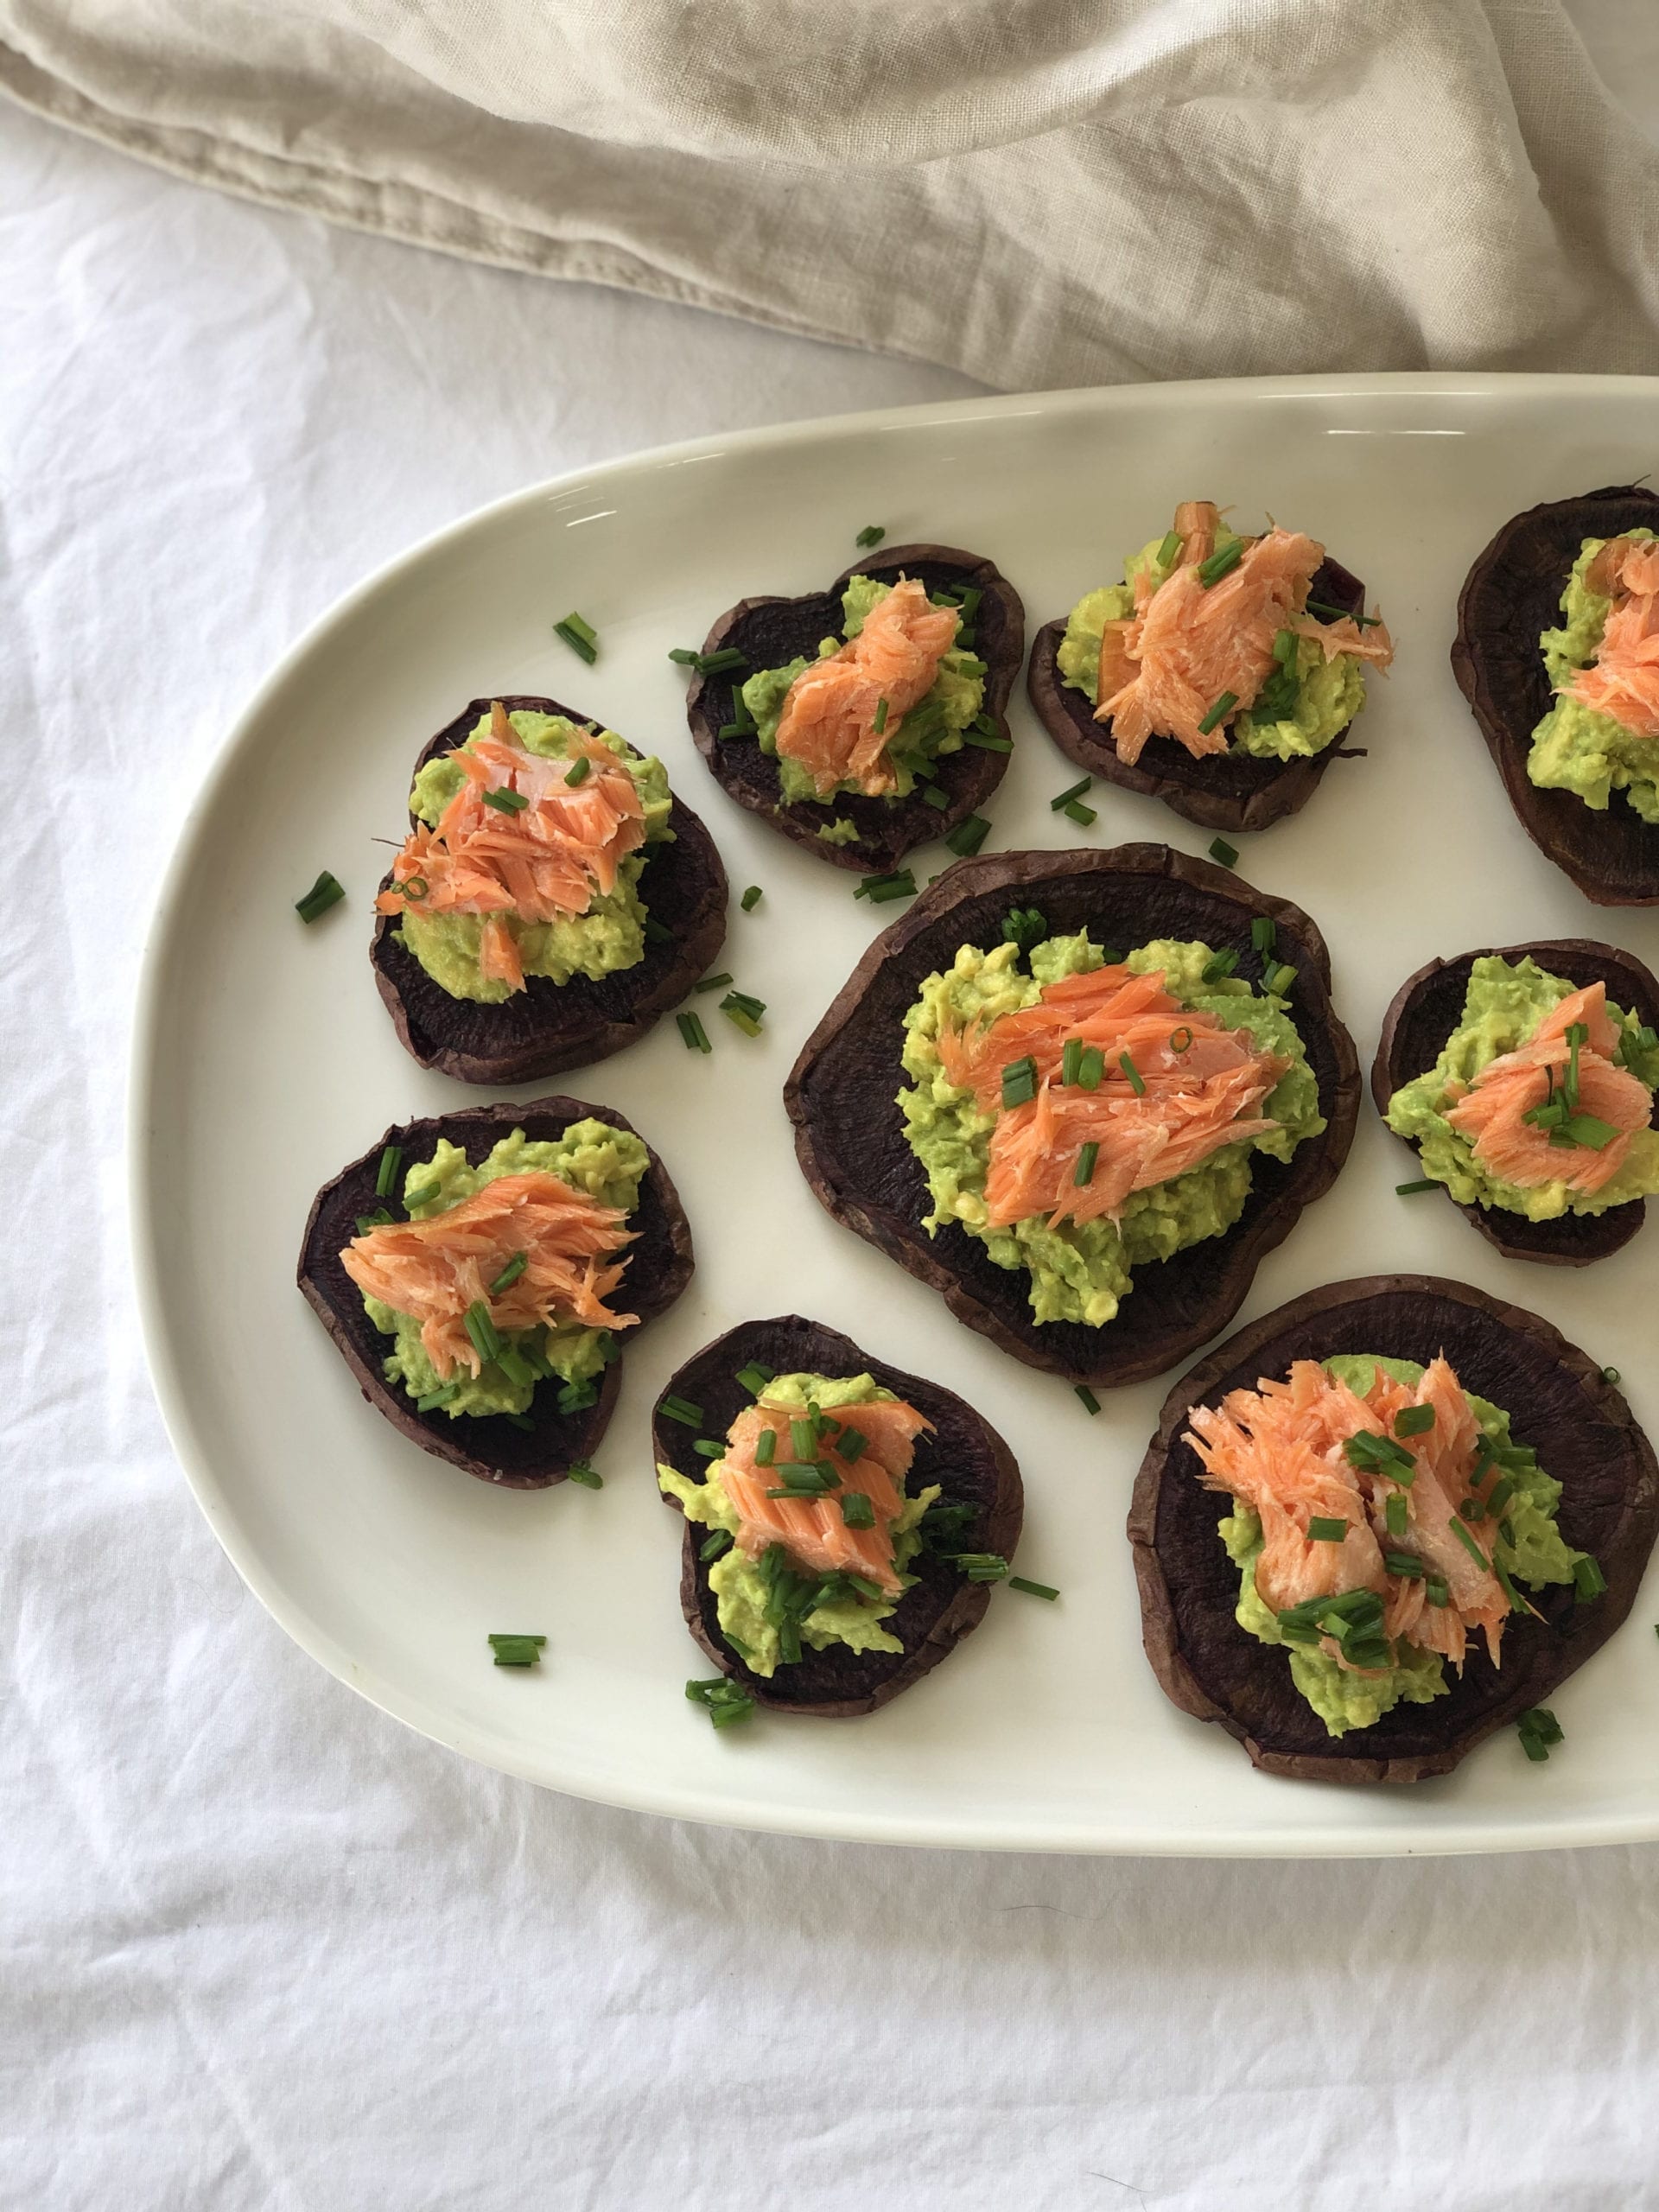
(849, 1135)
(489, 1446)
(548, 1027)
(1223, 791)
(1421, 1016)
(1560, 1404)
(772, 631)
(964, 1455)
(1511, 594)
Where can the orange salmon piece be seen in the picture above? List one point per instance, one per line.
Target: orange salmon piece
(1491, 1114)
(1622, 680)
(828, 724)
(531, 864)
(811, 1529)
(435, 1269)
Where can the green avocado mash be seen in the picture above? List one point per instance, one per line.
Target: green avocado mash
(741, 1593)
(1502, 1008)
(933, 726)
(609, 1165)
(608, 937)
(1574, 748)
(1533, 1553)
(1328, 694)
(1081, 1272)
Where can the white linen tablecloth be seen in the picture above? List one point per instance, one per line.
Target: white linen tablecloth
(265, 1950)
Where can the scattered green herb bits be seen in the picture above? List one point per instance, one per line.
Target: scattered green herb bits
(518, 1650)
(327, 891)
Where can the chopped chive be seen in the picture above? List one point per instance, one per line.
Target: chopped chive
(445, 1395)
(1326, 1529)
(327, 891)
(968, 836)
(1263, 933)
(505, 800)
(390, 1160)
(576, 1397)
(580, 636)
(1588, 1580)
(486, 1341)
(684, 656)
(1468, 1542)
(378, 1219)
(586, 1475)
(1410, 1190)
(1499, 1495)
(1169, 548)
(1376, 1454)
(751, 898)
(513, 1365)
(1222, 707)
(1180, 1040)
(864, 1586)
(1020, 1082)
(1323, 607)
(933, 796)
(1084, 817)
(1076, 791)
(1083, 1173)
(518, 1650)
(766, 1448)
(1517, 1603)
(510, 1273)
(1222, 563)
(1219, 965)
(1610, 1375)
(1278, 979)
(1221, 851)
(411, 887)
(878, 720)
(1086, 1398)
(1589, 1130)
(726, 1702)
(1394, 1510)
(714, 982)
(579, 769)
(693, 1033)
(1137, 1081)
(983, 1566)
(744, 1011)
(655, 932)
(1539, 1729)
(707, 1448)
(1070, 1060)
(422, 1197)
(1032, 1589)
(719, 1541)
(681, 1410)
(1471, 1509)
(1284, 647)
(1408, 1568)
(742, 723)
(803, 1437)
(1435, 1591)
(857, 1510)
(872, 534)
(878, 889)
(721, 663)
(987, 741)
(754, 1377)
(1413, 1420)
(1091, 1068)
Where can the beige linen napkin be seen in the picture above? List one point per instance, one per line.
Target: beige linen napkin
(1038, 192)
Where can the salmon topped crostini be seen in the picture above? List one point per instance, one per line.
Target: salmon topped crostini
(1537, 1110)
(480, 1271)
(843, 1521)
(1383, 1522)
(1557, 652)
(550, 899)
(1217, 646)
(866, 720)
(1063, 1079)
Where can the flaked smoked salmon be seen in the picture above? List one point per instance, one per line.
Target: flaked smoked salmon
(1284, 1450)
(1557, 1110)
(840, 713)
(520, 841)
(1193, 647)
(1622, 680)
(439, 1269)
(813, 1531)
(1156, 1087)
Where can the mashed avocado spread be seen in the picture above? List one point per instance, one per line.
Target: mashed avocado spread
(1574, 748)
(609, 1165)
(1081, 1271)
(1328, 694)
(744, 1596)
(933, 726)
(1503, 1007)
(608, 937)
(1532, 1552)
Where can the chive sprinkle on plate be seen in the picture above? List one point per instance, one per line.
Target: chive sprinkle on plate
(872, 534)
(751, 898)
(1221, 851)
(327, 891)
(518, 1650)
